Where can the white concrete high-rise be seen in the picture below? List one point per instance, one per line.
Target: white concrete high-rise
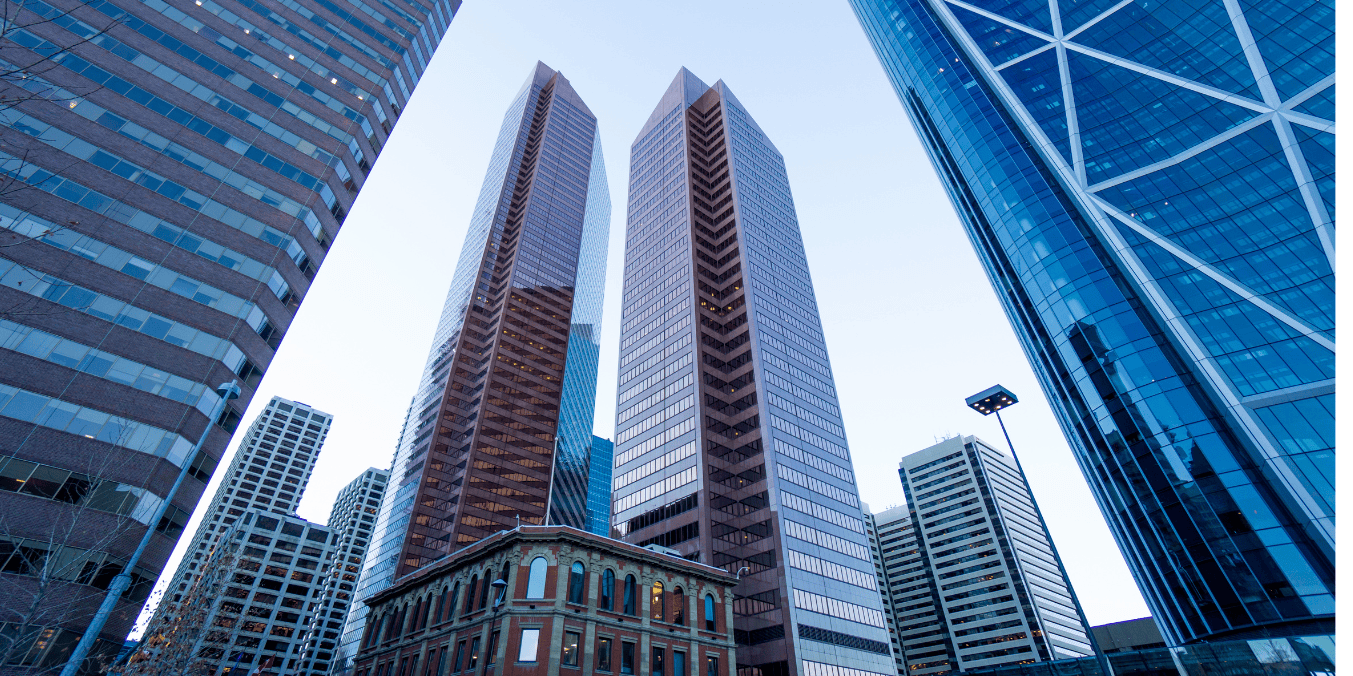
(973, 579)
(268, 474)
(353, 517)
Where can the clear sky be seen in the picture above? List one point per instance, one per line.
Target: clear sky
(911, 323)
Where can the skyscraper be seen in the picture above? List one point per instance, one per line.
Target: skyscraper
(353, 517)
(996, 590)
(1150, 188)
(890, 539)
(599, 486)
(267, 475)
(729, 446)
(172, 176)
(500, 430)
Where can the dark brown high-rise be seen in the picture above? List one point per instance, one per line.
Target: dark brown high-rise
(501, 429)
(729, 445)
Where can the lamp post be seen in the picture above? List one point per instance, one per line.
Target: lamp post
(500, 586)
(227, 391)
(992, 400)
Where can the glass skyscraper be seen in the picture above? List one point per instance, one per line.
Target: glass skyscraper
(599, 486)
(500, 431)
(172, 175)
(729, 443)
(1150, 188)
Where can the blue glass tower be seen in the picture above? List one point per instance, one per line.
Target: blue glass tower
(500, 431)
(1150, 187)
(599, 486)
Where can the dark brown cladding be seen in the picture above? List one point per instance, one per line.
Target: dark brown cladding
(733, 515)
(491, 460)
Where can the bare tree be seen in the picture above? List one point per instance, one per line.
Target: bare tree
(190, 636)
(54, 569)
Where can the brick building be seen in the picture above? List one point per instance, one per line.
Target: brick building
(575, 603)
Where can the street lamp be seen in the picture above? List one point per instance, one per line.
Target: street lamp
(992, 400)
(226, 391)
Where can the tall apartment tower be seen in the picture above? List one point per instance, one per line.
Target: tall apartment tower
(352, 518)
(887, 531)
(172, 176)
(1150, 188)
(599, 486)
(729, 445)
(263, 587)
(500, 430)
(994, 583)
(267, 475)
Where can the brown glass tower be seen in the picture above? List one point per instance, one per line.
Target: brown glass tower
(501, 430)
(729, 443)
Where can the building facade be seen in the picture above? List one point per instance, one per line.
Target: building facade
(140, 272)
(552, 601)
(271, 570)
(353, 517)
(1150, 188)
(992, 579)
(500, 430)
(884, 541)
(729, 443)
(914, 619)
(599, 486)
(267, 475)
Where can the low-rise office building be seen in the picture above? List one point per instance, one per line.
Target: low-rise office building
(552, 601)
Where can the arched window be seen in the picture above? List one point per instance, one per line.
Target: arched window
(657, 605)
(679, 600)
(488, 582)
(607, 599)
(470, 589)
(631, 604)
(455, 596)
(575, 583)
(441, 603)
(709, 612)
(535, 584)
(416, 622)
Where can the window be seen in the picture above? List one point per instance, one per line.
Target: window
(570, 654)
(530, 642)
(441, 603)
(709, 612)
(659, 661)
(679, 664)
(711, 666)
(575, 583)
(603, 654)
(460, 657)
(679, 612)
(607, 598)
(657, 605)
(630, 601)
(455, 596)
(474, 654)
(493, 649)
(441, 662)
(626, 657)
(484, 593)
(469, 595)
(535, 584)
(502, 596)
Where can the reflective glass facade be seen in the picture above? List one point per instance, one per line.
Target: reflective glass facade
(173, 173)
(500, 430)
(729, 443)
(1149, 186)
(599, 486)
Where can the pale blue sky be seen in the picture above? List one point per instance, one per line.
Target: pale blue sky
(911, 323)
